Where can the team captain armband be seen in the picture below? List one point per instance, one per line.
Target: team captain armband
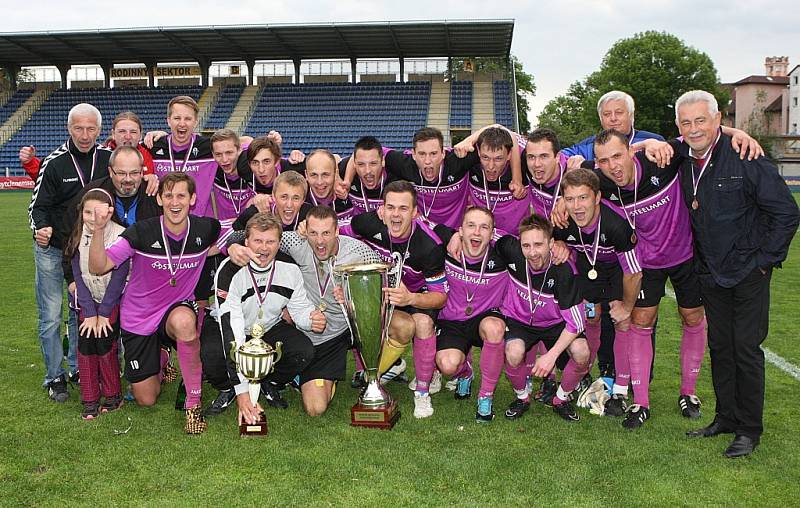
(436, 283)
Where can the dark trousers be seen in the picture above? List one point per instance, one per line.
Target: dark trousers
(738, 319)
(218, 368)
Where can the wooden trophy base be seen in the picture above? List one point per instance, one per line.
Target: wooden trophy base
(255, 429)
(380, 417)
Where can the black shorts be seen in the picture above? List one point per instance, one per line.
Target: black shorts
(606, 287)
(531, 335)
(462, 335)
(205, 286)
(143, 352)
(411, 310)
(684, 282)
(330, 360)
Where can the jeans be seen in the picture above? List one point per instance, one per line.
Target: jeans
(49, 287)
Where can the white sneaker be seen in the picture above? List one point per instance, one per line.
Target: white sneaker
(422, 405)
(452, 384)
(396, 371)
(434, 387)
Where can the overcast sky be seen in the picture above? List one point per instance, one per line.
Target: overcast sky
(557, 42)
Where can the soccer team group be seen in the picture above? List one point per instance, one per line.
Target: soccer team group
(548, 260)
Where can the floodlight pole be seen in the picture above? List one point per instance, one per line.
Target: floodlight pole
(514, 92)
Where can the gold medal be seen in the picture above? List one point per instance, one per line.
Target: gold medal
(322, 306)
(468, 310)
(695, 204)
(592, 274)
(172, 281)
(633, 238)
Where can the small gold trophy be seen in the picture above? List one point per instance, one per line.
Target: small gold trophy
(255, 360)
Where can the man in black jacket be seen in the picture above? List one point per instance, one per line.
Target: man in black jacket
(743, 219)
(62, 175)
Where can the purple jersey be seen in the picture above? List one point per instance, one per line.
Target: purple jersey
(659, 214)
(194, 159)
(423, 251)
(443, 200)
(363, 199)
(508, 212)
(149, 293)
(542, 298)
(475, 285)
(231, 195)
(615, 245)
(342, 207)
(543, 195)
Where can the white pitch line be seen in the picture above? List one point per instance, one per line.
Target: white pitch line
(775, 359)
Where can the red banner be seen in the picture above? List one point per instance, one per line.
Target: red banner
(16, 183)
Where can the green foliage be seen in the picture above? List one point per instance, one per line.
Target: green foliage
(655, 68)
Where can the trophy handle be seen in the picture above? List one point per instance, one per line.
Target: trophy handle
(278, 352)
(232, 354)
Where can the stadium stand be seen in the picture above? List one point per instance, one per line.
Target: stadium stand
(16, 100)
(502, 103)
(227, 100)
(46, 129)
(461, 104)
(334, 115)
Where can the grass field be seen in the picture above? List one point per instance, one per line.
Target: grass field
(50, 457)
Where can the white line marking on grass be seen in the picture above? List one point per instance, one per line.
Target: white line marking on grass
(775, 359)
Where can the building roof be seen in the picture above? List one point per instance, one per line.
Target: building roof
(776, 105)
(205, 44)
(763, 80)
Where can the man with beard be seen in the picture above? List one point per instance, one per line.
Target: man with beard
(397, 233)
(167, 255)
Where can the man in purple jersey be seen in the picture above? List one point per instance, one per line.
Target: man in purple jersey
(167, 254)
(397, 233)
(542, 306)
(609, 272)
(545, 166)
(439, 175)
(264, 162)
(650, 199)
(476, 282)
(496, 182)
(321, 166)
(366, 191)
(231, 193)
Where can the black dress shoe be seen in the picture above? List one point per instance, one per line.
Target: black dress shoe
(715, 429)
(742, 446)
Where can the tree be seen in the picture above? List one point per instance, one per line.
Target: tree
(526, 87)
(655, 68)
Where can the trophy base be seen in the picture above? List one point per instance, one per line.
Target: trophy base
(381, 417)
(254, 429)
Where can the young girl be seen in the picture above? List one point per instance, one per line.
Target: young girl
(97, 299)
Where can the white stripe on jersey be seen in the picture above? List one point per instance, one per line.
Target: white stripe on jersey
(61, 150)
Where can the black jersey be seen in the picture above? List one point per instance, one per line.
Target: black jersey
(423, 250)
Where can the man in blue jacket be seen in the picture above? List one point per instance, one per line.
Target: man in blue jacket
(743, 219)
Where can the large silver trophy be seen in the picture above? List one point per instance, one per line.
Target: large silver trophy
(255, 360)
(369, 318)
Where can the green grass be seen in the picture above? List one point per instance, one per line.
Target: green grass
(50, 457)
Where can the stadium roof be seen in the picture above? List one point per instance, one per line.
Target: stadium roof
(412, 39)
